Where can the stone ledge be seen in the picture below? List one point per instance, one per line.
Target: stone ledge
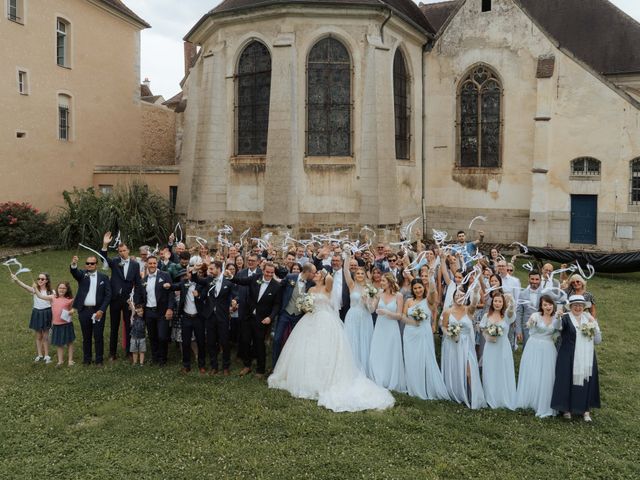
(161, 169)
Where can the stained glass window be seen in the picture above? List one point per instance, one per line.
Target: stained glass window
(480, 121)
(252, 101)
(329, 99)
(401, 105)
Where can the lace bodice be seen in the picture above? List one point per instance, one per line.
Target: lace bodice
(321, 301)
(540, 330)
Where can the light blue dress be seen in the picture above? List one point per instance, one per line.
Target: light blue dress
(386, 366)
(358, 326)
(456, 357)
(424, 378)
(538, 368)
(498, 373)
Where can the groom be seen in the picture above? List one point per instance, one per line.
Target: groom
(295, 285)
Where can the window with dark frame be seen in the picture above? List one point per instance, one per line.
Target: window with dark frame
(480, 119)
(329, 99)
(23, 86)
(585, 167)
(14, 10)
(64, 118)
(634, 187)
(173, 196)
(61, 43)
(252, 99)
(401, 106)
(486, 5)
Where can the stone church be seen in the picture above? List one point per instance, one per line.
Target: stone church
(307, 115)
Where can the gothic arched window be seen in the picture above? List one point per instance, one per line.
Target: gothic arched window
(329, 99)
(480, 118)
(252, 100)
(401, 105)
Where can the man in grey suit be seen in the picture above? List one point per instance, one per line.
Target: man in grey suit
(528, 303)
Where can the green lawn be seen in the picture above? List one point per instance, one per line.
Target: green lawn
(127, 422)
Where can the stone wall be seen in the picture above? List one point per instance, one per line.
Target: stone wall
(158, 135)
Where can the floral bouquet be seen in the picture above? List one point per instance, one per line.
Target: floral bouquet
(370, 291)
(453, 330)
(494, 331)
(418, 314)
(589, 329)
(305, 303)
(532, 322)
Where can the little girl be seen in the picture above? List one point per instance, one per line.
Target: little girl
(40, 315)
(62, 333)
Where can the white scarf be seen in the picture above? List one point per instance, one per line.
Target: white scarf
(583, 354)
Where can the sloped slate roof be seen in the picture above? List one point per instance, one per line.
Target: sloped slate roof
(122, 8)
(595, 31)
(405, 8)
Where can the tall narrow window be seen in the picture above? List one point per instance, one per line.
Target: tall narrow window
(62, 42)
(64, 117)
(480, 122)
(15, 10)
(401, 105)
(486, 5)
(329, 99)
(252, 99)
(634, 187)
(23, 83)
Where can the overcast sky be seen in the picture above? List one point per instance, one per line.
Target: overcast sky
(162, 54)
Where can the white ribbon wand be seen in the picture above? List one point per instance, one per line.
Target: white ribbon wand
(175, 232)
(365, 229)
(199, 240)
(439, 236)
(116, 242)
(405, 231)
(590, 269)
(524, 248)
(479, 217)
(105, 264)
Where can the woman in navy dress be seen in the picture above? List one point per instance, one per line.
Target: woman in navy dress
(576, 389)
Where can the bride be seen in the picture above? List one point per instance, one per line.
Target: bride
(317, 362)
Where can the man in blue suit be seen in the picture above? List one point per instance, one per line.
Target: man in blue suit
(94, 294)
(125, 278)
(159, 302)
(294, 285)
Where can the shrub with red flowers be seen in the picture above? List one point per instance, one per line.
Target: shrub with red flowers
(21, 225)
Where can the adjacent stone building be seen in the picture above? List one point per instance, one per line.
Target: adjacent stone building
(311, 114)
(72, 110)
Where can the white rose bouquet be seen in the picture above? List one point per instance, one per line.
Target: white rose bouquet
(305, 303)
(418, 314)
(453, 330)
(589, 329)
(494, 331)
(370, 291)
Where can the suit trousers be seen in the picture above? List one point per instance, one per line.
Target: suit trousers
(253, 340)
(217, 333)
(285, 321)
(118, 310)
(91, 332)
(193, 324)
(158, 329)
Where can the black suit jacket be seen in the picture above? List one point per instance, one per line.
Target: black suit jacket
(121, 286)
(165, 298)
(103, 289)
(243, 291)
(269, 304)
(216, 306)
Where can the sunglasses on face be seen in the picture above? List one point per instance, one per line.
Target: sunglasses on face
(509, 269)
(90, 263)
(42, 279)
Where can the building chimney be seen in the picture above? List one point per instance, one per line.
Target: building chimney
(190, 51)
(147, 82)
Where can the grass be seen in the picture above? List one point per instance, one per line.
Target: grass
(127, 422)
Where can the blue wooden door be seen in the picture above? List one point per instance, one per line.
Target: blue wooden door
(584, 219)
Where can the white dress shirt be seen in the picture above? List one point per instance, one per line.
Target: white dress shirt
(190, 301)
(90, 299)
(336, 290)
(151, 290)
(125, 267)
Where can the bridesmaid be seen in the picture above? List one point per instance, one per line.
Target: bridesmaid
(498, 374)
(459, 363)
(538, 363)
(358, 324)
(424, 379)
(386, 366)
(576, 389)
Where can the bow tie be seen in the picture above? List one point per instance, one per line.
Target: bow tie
(91, 274)
(152, 275)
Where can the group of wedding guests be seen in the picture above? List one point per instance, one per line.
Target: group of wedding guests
(394, 305)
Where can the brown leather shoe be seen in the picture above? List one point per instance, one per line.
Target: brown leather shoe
(244, 371)
(184, 370)
(226, 372)
(202, 371)
(213, 371)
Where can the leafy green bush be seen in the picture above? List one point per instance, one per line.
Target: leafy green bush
(141, 215)
(22, 225)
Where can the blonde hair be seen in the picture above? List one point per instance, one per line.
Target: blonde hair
(577, 276)
(393, 284)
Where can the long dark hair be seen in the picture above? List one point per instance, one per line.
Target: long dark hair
(47, 285)
(418, 281)
(548, 299)
(495, 294)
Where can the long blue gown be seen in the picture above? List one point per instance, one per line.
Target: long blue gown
(456, 357)
(386, 366)
(538, 368)
(424, 378)
(358, 326)
(498, 373)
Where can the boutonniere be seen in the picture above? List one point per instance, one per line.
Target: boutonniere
(292, 283)
(259, 282)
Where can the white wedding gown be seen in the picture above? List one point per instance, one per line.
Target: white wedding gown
(317, 363)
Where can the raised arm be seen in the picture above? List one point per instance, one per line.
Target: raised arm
(23, 285)
(347, 274)
(328, 283)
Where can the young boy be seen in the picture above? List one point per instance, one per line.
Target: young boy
(138, 344)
